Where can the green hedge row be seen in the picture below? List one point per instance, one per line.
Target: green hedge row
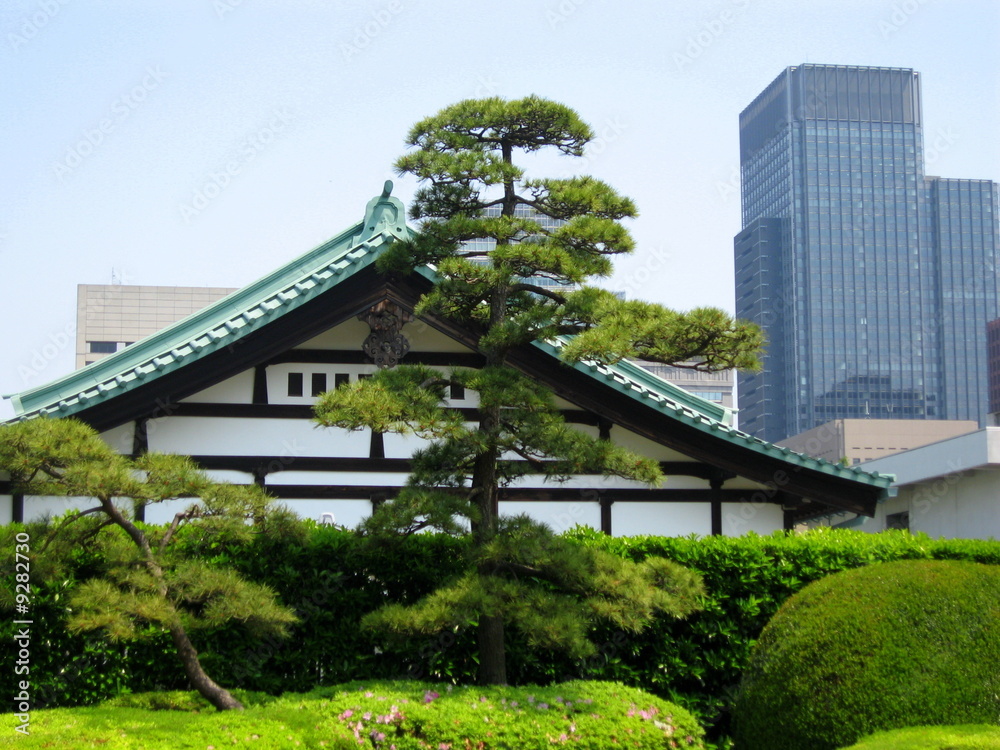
(336, 577)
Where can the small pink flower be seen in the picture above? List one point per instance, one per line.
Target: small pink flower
(346, 715)
(430, 695)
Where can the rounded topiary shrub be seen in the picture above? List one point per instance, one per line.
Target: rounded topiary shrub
(892, 645)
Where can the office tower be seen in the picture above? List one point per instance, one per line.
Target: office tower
(873, 282)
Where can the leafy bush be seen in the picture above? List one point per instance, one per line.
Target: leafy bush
(333, 578)
(970, 737)
(888, 646)
(402, 714)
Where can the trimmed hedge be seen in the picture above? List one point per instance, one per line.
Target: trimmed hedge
(335, 578)
(888, 646)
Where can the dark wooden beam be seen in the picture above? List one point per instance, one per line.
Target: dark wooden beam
(352, 357)
(715, 488)
(260, 384)
(606, 503)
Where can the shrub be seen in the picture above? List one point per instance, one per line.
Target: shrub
(974, 737)
(899, 644)
(333, 578)
(406, 715)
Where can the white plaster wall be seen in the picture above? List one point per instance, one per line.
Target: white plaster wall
(660, 519)
(37, 507)
(120, 438)
(348, 335)
(958, 506)
(557, 516)
(742, 518)
(161, 513)
(402, 446)
(322, 478)
(235, 390)
(6, 509)
(232, 436)
(645, 446)
(232, 477)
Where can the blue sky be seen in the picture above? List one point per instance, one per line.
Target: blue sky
(204, 142)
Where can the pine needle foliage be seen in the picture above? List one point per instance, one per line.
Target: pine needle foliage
(531, 284)
(145, 586)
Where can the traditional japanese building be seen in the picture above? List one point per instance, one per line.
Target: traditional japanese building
(233, 385)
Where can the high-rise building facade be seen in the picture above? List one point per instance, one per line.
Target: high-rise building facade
(872, 281)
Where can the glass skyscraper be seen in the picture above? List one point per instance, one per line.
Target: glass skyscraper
(872, 281)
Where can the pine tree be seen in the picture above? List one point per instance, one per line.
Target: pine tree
(147, 585)
(530, 286)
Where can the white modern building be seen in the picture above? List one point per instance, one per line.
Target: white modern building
(948, 489)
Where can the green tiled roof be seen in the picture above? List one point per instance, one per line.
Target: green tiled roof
(709, 417)
(226, 321)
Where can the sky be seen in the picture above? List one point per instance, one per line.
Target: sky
(206, 142)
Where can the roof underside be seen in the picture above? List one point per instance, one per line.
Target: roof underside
(281, 310)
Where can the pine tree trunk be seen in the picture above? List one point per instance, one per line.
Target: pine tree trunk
(218, 696)
(492, 655)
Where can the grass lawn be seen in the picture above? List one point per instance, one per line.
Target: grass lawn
(401, 715)
(971, 737)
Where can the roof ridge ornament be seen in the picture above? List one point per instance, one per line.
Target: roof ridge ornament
(383, 214)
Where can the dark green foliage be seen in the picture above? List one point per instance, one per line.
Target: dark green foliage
(140, 583)
(501, 291)
(409, 715)
(332, 579)
(969, 737)
(888, 646)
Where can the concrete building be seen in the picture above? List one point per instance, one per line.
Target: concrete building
(873, 281)
(110, 317)
(948, 489)
(859, 440)
(712, 386)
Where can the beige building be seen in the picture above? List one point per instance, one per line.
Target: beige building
(860, 440)
(109, 317)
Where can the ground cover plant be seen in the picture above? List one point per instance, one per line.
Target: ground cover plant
(968, 737)
(888, 646)
(407, 715)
